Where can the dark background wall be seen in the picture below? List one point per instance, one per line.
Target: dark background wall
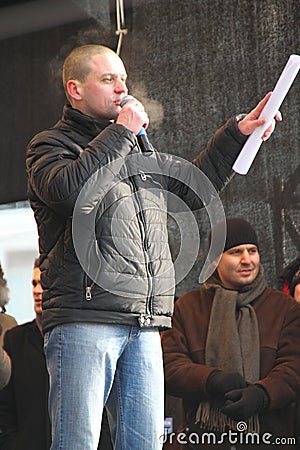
(193, 63)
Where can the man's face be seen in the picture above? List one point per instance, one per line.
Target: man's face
(37, 290)
(239, 266)
(297, 293)
(103, 88)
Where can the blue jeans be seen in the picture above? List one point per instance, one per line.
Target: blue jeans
(91, 365)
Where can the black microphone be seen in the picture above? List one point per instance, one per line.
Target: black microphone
(142, 136)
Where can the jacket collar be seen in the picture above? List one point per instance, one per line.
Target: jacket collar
(88, 125)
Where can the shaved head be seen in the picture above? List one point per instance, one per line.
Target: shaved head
(77, 64)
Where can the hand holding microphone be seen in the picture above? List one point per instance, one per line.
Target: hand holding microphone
(134, 117)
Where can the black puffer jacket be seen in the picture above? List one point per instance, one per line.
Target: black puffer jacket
(100, 206)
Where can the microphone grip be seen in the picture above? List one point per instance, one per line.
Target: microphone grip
(142, 137)
(143, 141)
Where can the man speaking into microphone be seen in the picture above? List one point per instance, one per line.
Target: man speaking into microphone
(101, 324)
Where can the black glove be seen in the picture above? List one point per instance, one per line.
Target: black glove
(243, 403)
(219, 383)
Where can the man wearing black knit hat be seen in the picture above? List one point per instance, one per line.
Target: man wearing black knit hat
(233, 354)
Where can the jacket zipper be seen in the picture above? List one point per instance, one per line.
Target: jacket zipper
(144, 319)
(88, 288)
(88, 293)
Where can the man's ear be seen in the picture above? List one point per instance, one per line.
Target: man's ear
(74, 89)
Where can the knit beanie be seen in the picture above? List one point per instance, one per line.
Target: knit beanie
(239, 232)
(294, 282)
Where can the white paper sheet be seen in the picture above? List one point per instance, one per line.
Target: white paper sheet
(253, 143)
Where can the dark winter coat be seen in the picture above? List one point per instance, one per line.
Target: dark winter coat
(100, 206)
(24, 420)
(279, 330)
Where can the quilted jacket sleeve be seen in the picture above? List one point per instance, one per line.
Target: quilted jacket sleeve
(57, 174)
(198, 183)
(223, 148)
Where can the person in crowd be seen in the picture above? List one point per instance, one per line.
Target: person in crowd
(233, 353)
(5, 368)
(295, 286)
(24, 418)
(109, 285)
(6, 321)
(289, 282)
(289, 279)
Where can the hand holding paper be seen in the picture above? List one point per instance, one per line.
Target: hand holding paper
(252, 145)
